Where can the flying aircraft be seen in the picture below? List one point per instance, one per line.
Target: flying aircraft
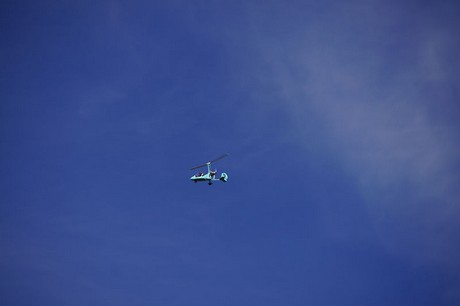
(211, 175)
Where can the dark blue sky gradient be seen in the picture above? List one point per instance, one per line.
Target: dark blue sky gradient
(341, 120)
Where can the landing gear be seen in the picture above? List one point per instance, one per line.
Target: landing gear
(209, 183)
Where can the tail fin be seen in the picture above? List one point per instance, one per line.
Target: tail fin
(224, 177)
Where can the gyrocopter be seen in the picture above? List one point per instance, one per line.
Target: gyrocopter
(211, 175)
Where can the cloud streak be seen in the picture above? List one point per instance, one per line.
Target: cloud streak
(384, 100)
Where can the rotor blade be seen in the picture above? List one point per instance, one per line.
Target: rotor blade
(203, 165)
(219, 158)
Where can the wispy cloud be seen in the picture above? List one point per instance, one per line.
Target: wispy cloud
(372, 90)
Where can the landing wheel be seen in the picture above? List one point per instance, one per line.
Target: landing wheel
(209, 183)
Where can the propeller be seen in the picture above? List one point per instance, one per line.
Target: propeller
(205, 164)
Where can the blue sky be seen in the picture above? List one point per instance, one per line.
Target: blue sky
(341, 120)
